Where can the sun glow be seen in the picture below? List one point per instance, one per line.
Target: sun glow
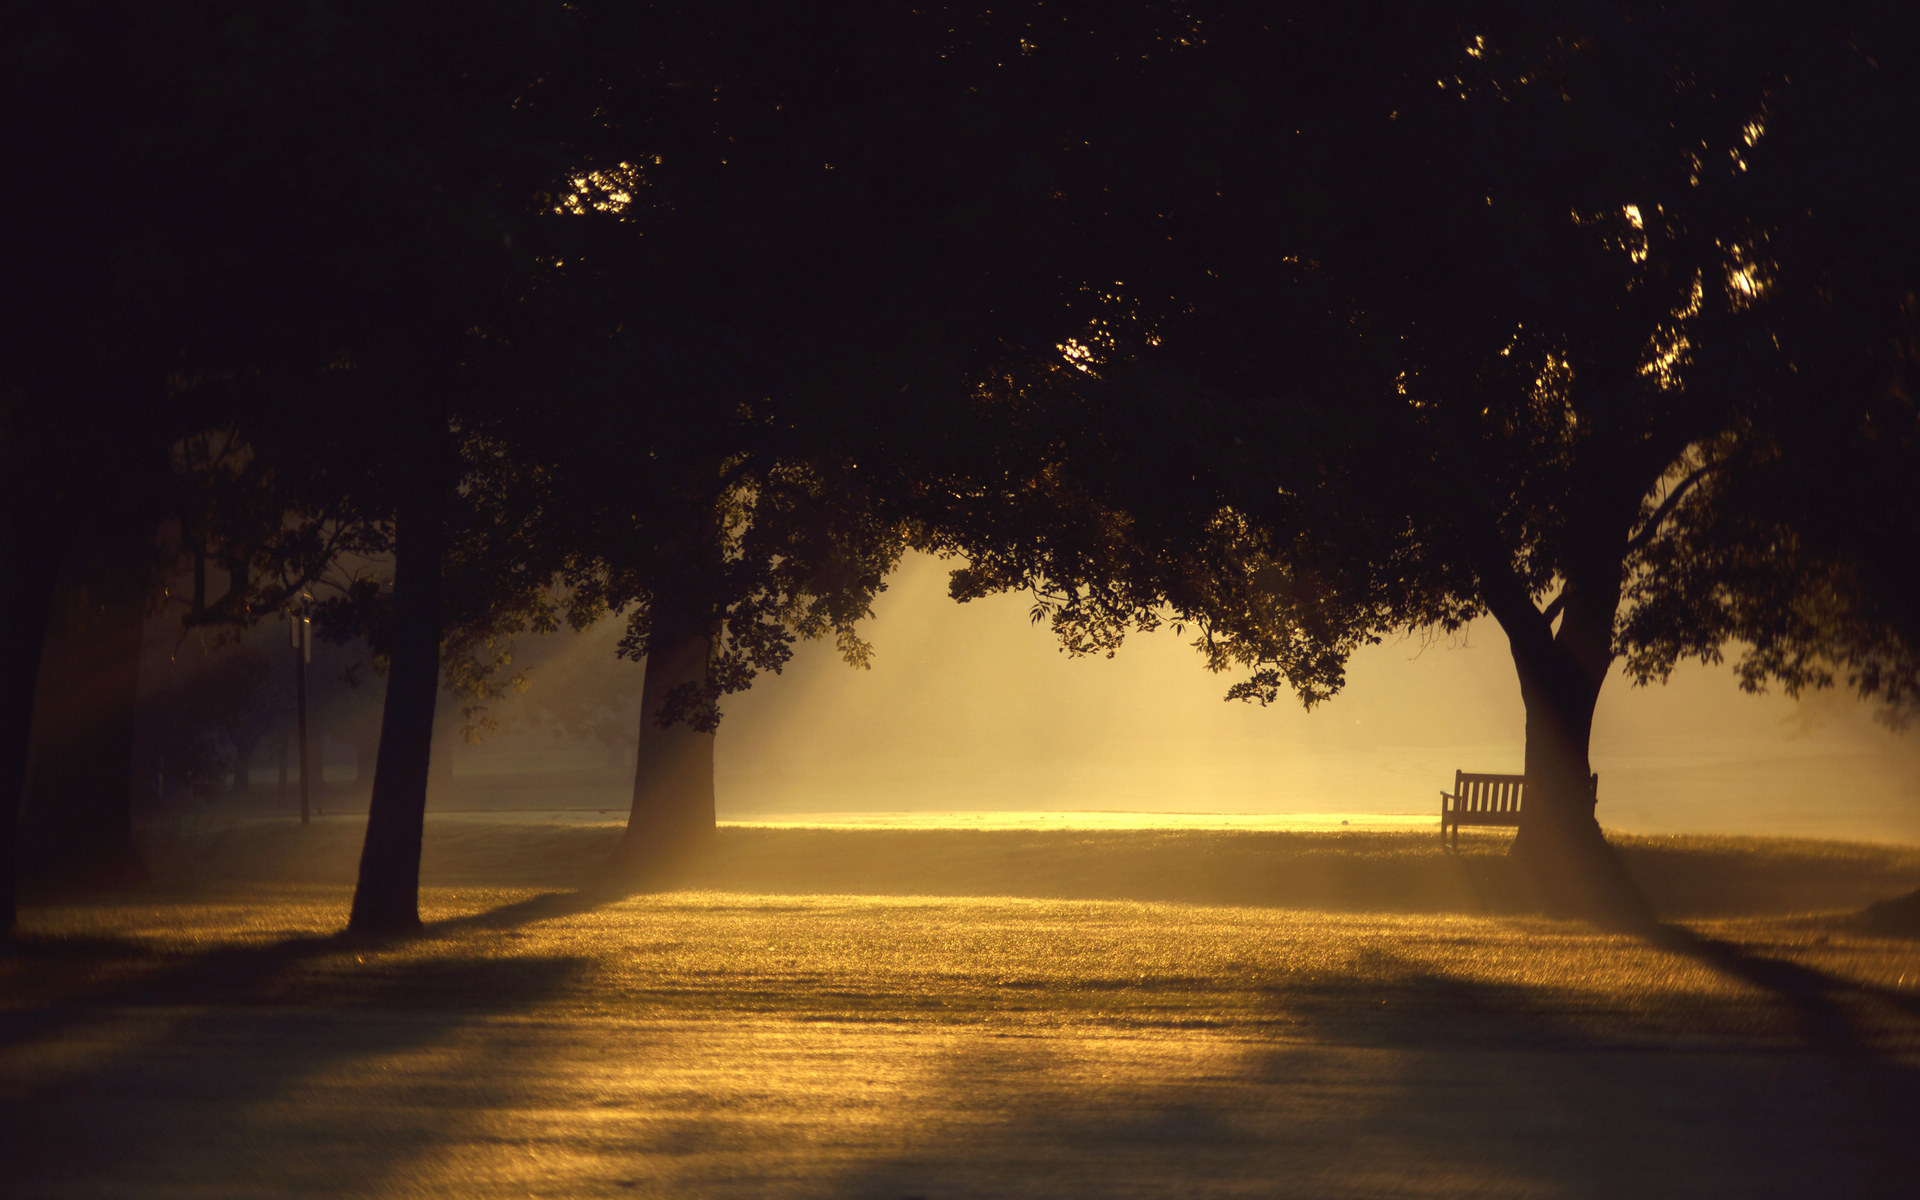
(1092, 820)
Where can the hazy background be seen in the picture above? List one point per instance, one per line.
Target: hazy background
(972, 707)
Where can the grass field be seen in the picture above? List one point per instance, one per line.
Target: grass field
(892, 1013)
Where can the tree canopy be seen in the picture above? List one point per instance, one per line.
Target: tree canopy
(1481, 316)
(1293, 326)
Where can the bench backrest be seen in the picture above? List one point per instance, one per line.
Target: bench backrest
(1482, 793)
(1488, 793)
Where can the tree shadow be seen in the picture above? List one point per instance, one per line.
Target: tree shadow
(1389, 1077)
(1430, 1085)
(546, 906)
(1701, 877)
(1828, 1008)
(1895, 918)
(254, 1064)
(93, 970)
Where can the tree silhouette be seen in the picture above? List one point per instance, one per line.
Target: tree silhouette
(1297, 326)
(1449, 317)
(435, 253)
(701, 511)
(320, 269)
(788, 289)
(130, 338)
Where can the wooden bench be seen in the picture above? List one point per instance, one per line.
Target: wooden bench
(1486, 800)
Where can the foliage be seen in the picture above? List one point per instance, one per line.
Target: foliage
(1403, 352)
(1801, 544)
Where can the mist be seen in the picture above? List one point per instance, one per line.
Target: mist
(974, 707)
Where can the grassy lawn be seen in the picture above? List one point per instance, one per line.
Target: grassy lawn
(930, 1013)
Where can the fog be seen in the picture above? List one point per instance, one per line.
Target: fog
(973, 707)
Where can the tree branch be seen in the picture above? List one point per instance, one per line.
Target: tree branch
(1659, 516)
(1509, 600)
(1553, 608)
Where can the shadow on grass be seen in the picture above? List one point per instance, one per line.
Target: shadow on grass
(256, 1065)
(313, 1075)
(547, 906)
(1341, 871)
(1829, 1009)
(1424, 1085)
(1336, 872)
(54, 981)
(1898, 917)
(1707, 876)
(1361, 872)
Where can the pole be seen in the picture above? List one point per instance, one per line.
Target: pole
(303, 648)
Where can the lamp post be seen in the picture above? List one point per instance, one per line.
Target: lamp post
(302, 655)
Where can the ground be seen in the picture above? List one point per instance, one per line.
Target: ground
(965, 1014)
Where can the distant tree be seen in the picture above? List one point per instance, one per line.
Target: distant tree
(205, 713)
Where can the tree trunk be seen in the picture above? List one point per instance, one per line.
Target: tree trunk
(1559, 845)
(26, 602)
(387, 898)
(77, 823)
(673, 813)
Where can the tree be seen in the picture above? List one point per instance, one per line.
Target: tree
(1448, 319)
(136, 274)
(76, 822)
(424, 270)
(321, 266)
(774, 287)
(820, 229)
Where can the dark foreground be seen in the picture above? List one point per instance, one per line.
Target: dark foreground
(216, 1040)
